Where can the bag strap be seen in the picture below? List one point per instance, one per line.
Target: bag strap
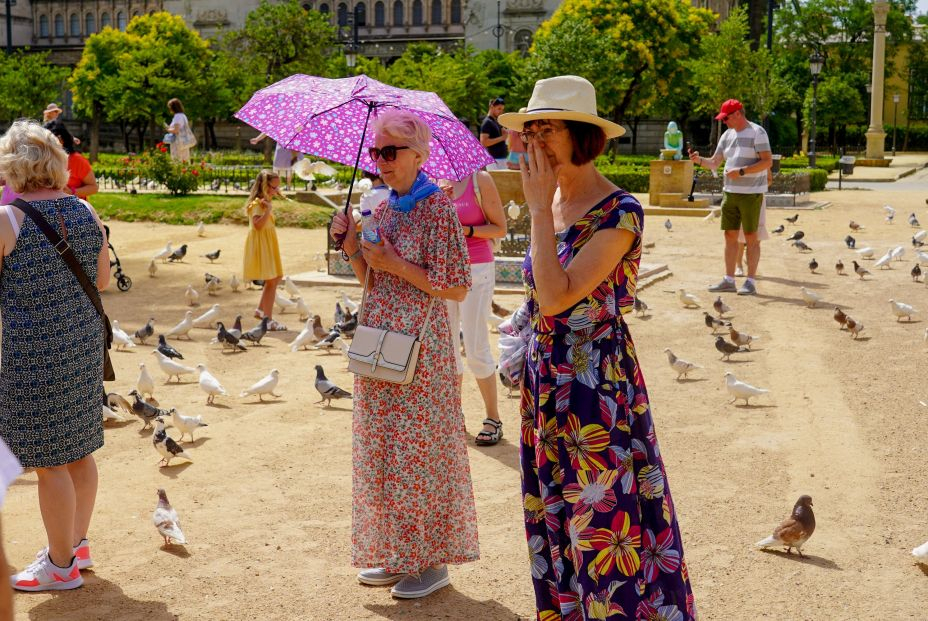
(63, 248)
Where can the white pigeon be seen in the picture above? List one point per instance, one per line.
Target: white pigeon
(283, 303)
(209, 384)
(302, 309)
(884, 260)
(191, 296)
(234, 283)
(897, 253)
(687, 299)
(922, 257)
(164, 253)
(183, 328)
(186, 424)
(921, 553)
(166, 521)
(201, 229)
(170, 367)
(305, 338)
(741, 390)
(291, 288)
(890, 212)
(681, 366)
(113, 415)
(901, 309)
(120, 338)
(920, 235)
(865, 253)
(206, 319)
(152, 268)
(809, 297)
(145, 384)
(264, 386)
(349, 303)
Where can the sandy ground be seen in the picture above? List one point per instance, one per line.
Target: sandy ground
(267, 503)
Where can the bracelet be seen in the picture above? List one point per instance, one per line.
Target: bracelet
(471, 233)
(353, 255)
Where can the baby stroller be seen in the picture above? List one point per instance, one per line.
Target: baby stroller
(123, 282)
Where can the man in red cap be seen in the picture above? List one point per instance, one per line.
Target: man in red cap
(745, 149)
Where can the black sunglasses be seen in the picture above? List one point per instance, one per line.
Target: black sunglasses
(388, 153)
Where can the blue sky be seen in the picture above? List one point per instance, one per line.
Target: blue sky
(922, 6)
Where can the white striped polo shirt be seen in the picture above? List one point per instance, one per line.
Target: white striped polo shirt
(741, 149)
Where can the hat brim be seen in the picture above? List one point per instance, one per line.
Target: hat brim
(516, 120)
(721, 115)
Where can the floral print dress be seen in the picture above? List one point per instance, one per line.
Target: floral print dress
(413, 504)
(602, 533)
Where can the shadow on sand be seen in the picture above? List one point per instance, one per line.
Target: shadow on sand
(99, 600)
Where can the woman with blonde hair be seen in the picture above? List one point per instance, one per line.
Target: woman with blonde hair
(51, 371)
(262, 252)
(412, 505)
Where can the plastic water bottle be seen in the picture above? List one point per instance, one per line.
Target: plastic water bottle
(369, 231)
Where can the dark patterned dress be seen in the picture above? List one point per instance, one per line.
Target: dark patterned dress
(51, 370)
(602, 535)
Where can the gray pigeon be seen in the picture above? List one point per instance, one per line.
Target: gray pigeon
(726, 348)
(166, 445)
(167, 350)
(348, 327)
(145, 331)
(212, 256)
(144, 410)
(801, 245)
(236, 330)
(339, 314)
(179, 254)
(327, 389)
(796, 236)
(850, 241)
(227, 339)
(257, 333)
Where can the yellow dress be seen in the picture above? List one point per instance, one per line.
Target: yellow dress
(262, 253)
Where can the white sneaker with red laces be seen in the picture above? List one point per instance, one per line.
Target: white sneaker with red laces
(43, 575)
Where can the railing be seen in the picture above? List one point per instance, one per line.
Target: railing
(217, 179)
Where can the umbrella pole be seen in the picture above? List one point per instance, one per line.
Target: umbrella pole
(354, 173)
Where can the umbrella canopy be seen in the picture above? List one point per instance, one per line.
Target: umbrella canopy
(329, 118)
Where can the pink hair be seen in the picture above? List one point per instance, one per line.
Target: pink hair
(407, 128)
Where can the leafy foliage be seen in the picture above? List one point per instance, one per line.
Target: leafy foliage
(28, 82)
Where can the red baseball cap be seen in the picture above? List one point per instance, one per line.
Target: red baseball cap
(732, 105)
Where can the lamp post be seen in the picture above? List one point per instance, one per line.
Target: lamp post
(498, 29)
(352, 46)
(9, 26)
(895, 107)
(815, 66)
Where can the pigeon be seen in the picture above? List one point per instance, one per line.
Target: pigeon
(339, 314)
(212, 256)
(890, 213)
(228, 340)
(792, 219)
(236, 329)
(179, 254)
(897, 253)
(113, 415)
(918, 238)
(802, 246)
(115, 400)
(318, 331)
(859, 270)
(264, 386)
(913, 221)
(350, 305)
(348, 327)
(499, 310)
(741, 338)
(901, 309)
(668, 225)
(166, 445)
(234, 283)
(726, 348)
(850, 242)
(327, 389)
(166, 521)
(257, 333)
(740, 390)
(183, 328)
(854, 326)
(191, 296)
(332, 341)
(213, 286)
(145, 331)
(916, 272)
(208, 277)
(687, 299)
(721, 307)
(145, 384)
(171, 368)
(682, 367)
(810, 297)
(167, 350)
(795, 530)
(201, 228)
(839, 267)
(120, 338)
(144, 410)
(778, 230)
(840, 317)
(186, 424)
(921, 553)
(152, 269)
(283, 303)
(713, 324)
(855, 226)
(292, 290)
(303, 310)
(164, 253)
(305, 338)
(209, 384)
(206, 319)
(865, 253)
(922, 257)
(796, 236)
(813, 265)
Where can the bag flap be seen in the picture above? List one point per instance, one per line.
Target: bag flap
(395, 351)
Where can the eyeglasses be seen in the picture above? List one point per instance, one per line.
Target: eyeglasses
(388, 153)
(543, 135)
(499, 101)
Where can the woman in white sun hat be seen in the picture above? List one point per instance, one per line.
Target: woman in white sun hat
(600, 524)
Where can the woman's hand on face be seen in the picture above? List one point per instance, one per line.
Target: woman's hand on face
(381, 257)
(539, 181)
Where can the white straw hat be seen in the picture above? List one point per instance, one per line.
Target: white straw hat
(565, 97)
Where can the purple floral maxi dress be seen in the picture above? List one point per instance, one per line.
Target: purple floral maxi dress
(602, 534)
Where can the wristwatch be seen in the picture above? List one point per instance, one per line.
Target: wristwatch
(348, 257)
(740, 172)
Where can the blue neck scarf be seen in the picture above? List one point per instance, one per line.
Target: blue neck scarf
(421, 188)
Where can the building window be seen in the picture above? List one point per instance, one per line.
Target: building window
(398, 18)
(104, 21)
(43, 25)
(436, 11)
(455, 11)
(307, 7)
(380, 17)
(121, 20)
(135, 14)
(360, 14)
(342, 14)
(74, 27)
(90, 24)
(324, 8)
(417, 13)
(59, 26)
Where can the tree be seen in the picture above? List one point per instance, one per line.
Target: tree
(28, 82)
(838, 104)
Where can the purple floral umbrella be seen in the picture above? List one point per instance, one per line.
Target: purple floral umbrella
(329, 118)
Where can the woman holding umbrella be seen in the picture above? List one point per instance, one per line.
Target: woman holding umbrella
(601, 527)
(413, 505)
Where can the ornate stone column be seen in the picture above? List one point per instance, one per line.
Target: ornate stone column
(876, 137)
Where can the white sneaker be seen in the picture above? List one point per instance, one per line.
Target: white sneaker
(43, 575)
(739, 271)
(81, 551)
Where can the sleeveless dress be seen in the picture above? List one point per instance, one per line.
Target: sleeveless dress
(262, 252)
(51, 371)
(602, 533)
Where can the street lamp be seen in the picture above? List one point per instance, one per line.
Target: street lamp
(815, 66)
(352, 45)
(895, 106)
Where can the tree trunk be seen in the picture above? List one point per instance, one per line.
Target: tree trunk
(125, 136)
(635, 122)
(757, 15)
(95, 131)
(799, 146)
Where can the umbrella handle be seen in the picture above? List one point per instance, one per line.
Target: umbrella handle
(339, 240)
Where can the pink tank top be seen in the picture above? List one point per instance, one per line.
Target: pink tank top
(470, 213)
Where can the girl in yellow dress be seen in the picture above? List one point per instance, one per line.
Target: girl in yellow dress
(262, 253)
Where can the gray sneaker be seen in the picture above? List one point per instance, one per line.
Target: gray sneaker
(378, 576)
(429, 581)
(747, 288)
(723, 287)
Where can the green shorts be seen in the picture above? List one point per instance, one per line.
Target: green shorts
(741, 211)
